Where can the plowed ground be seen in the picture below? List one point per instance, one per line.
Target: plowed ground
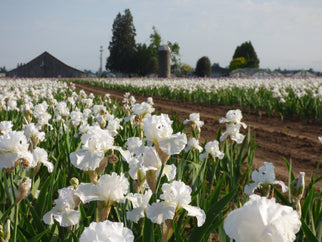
(292, 139)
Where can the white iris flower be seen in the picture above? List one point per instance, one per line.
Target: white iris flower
(157, 128)
(63, 212)
(233, 124)
(176, 195)
(139, 203)
(212, 148)
(264, 176)
(107, 231)
(262, 219)
(13, 146)
(109, 188)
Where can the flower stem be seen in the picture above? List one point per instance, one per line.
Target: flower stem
(15, 225)
(15, 228)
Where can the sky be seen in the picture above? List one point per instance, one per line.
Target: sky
(285, 34)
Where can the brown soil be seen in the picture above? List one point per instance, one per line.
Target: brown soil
(278, 139)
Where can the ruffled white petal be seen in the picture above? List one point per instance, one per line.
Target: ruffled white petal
(107, 231)
(196, 212)
(174, 144)
(87, 192)
(159, 212)
(170, 171)
(86, 160)
(262, 219)
(135, 214)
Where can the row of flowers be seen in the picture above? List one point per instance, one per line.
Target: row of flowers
(277, 96)
(130, 174)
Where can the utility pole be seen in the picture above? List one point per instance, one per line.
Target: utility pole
(100, 70)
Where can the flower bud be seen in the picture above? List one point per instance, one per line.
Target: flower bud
(164, 157)
(74, 182)
(5, 232)
(103, 210)
(92, 176)
(151, 178)
(297, 191)
(112, 159)
(297, 186)
(23, 189)
(99, 170)
(25, 163)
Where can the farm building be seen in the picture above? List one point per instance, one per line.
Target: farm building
(250, 72)
(45, 65)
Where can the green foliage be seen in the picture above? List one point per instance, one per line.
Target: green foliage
(155, 41)
(122, 46)
(217, 185)
(186, 69)
(247, 51)
(239, 62)
(3, 69)
(203, 67)
(145, 60)
(175, 57)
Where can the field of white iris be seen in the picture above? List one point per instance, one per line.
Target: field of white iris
(81, 167)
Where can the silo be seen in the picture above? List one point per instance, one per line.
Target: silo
(164, 61)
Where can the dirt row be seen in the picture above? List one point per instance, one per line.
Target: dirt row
(292, 139)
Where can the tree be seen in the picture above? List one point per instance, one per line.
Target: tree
(175, 57)
(145, 60)
(3, 69)
(238, 62)
(247, 51)
(186, 69)
(155, 41)
(122, 46)
(203, 67)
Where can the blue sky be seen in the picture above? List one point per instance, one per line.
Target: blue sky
(284, 33)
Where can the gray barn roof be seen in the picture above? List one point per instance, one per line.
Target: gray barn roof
(45, 65)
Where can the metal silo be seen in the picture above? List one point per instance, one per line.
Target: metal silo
(164, 61)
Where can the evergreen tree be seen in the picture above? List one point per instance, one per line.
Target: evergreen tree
(155, 41)
(203, 67)
(122, 46)
(145, 60)
(247, 51)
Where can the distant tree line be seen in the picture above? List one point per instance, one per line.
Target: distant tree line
(130, 58)
(3, 69)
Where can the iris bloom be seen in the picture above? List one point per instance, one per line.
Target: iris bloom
(107, 231)
(95, 143)
(139, 203)
(109, 188)
(33, 134)
(194, 119)
(233, 124)
(142, 110)
(14, 147)
(212, 148)
(193, 143)
(262, 178)
(176, 195)
(76, 118)
(134, 145)
(152, 162)
(63, 211)
(5, 127)
(40, 156)
(262, 219)
(157, 128)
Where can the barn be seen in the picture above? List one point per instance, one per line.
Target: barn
(45, 65)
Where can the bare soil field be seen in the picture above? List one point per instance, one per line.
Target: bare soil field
(292, 139)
